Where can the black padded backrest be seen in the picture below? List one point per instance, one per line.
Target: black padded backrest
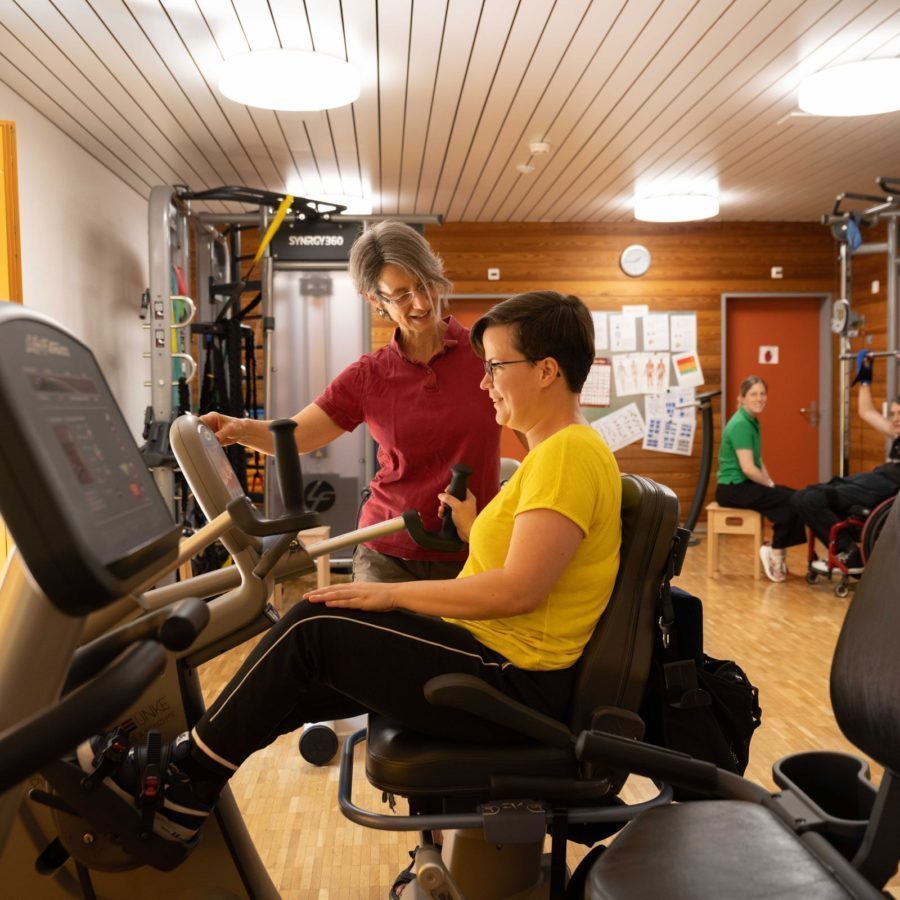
(615, 664)
(865, 673)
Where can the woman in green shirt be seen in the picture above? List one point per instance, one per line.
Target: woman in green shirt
(745, 483)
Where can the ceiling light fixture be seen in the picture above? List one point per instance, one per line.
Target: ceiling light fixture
(863, 88)
(525, 167)
(289, 80)
(675, 207)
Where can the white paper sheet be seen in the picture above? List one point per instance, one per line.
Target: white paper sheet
(622, 427)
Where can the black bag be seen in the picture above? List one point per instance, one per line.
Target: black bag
(696, 704)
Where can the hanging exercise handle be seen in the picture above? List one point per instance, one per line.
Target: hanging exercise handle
(459, 480)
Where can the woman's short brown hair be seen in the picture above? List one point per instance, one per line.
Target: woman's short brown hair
(545, 323)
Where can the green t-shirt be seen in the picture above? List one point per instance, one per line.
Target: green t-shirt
(574, 473)
(741, 433)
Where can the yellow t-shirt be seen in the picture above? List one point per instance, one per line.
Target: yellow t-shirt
(574, 473)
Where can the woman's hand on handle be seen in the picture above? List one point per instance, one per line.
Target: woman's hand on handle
(227, 429)
(462, 511)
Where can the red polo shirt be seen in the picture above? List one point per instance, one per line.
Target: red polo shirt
(424, 417)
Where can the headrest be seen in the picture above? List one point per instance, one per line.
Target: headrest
(865, 673)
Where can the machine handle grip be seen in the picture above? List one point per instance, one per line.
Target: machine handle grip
(459, 482)
(287, 465)
(176, 628)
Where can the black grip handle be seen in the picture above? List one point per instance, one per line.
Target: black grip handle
(287, 465)
(648, 760)
(459, 482)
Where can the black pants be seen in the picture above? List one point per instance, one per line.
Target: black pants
(319, 664)
(773, 502)
(821, 506)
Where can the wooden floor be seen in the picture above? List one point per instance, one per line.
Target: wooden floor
(783, 635)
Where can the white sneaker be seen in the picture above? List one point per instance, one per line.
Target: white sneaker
(774, 566)
(820, 567)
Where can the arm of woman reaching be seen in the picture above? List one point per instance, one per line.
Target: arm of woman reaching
(750, 469)
(870, 415)
(542, 545)
(315, 428)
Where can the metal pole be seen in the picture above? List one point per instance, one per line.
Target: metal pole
(267, 286)
(893, 313)
(844, 370)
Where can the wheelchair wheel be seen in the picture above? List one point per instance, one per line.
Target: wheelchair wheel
(873, 527)
(812, 577)
(841, 589)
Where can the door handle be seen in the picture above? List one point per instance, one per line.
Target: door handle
(812, 413)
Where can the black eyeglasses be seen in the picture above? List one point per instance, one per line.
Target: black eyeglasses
(491, 365)
(406, 299)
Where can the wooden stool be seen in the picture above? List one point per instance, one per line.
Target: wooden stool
(311, 537)
(728, 520)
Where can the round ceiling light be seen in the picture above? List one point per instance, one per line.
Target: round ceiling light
(289, 80)
(676, 207)
(863, 88)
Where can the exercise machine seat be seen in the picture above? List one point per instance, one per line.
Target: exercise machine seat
(747, 845)
(611, 675)
(698, 851)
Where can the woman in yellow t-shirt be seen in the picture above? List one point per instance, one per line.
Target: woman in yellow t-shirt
(542, 563)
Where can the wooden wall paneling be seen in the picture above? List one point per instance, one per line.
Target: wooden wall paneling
(692, 266)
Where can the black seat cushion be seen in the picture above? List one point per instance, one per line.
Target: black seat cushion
(410, 764)
(710, 850)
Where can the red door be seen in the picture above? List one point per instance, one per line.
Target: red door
(790, 440)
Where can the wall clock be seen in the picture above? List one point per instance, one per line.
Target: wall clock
(635, 260)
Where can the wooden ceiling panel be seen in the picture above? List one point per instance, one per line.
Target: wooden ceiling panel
(454, 91)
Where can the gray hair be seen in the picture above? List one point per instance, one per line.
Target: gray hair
(393, 242)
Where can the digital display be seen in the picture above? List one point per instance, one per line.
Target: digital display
(53, 383)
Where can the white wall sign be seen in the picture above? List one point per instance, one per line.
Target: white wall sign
(768, 356)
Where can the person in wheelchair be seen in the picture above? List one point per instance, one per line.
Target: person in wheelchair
(543, 559)
(821, 506)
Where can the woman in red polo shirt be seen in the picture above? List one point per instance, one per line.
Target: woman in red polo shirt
(419, 395)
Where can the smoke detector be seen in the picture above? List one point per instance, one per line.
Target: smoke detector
(525, 167)
(539, 148)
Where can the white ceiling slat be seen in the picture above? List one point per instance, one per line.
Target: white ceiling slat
(498, 142)
(331, 133)
(151, 79)
(113, 73)
(462, 23)
(746, 139)
(588, 59)
(35, 53)
(663, 44)
(724, 87)
(628, 133)
(70, 105)
(453, 91)
(426, 39)
(198, 37)
(185, 44)
(626, 48)
(20, 84)
(394, 33)
(489, 50)
(701, 124)
(764, 96)
(532, 21)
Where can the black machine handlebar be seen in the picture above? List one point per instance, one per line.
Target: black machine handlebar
(290, 483)
(175, 628)
(446, 540)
